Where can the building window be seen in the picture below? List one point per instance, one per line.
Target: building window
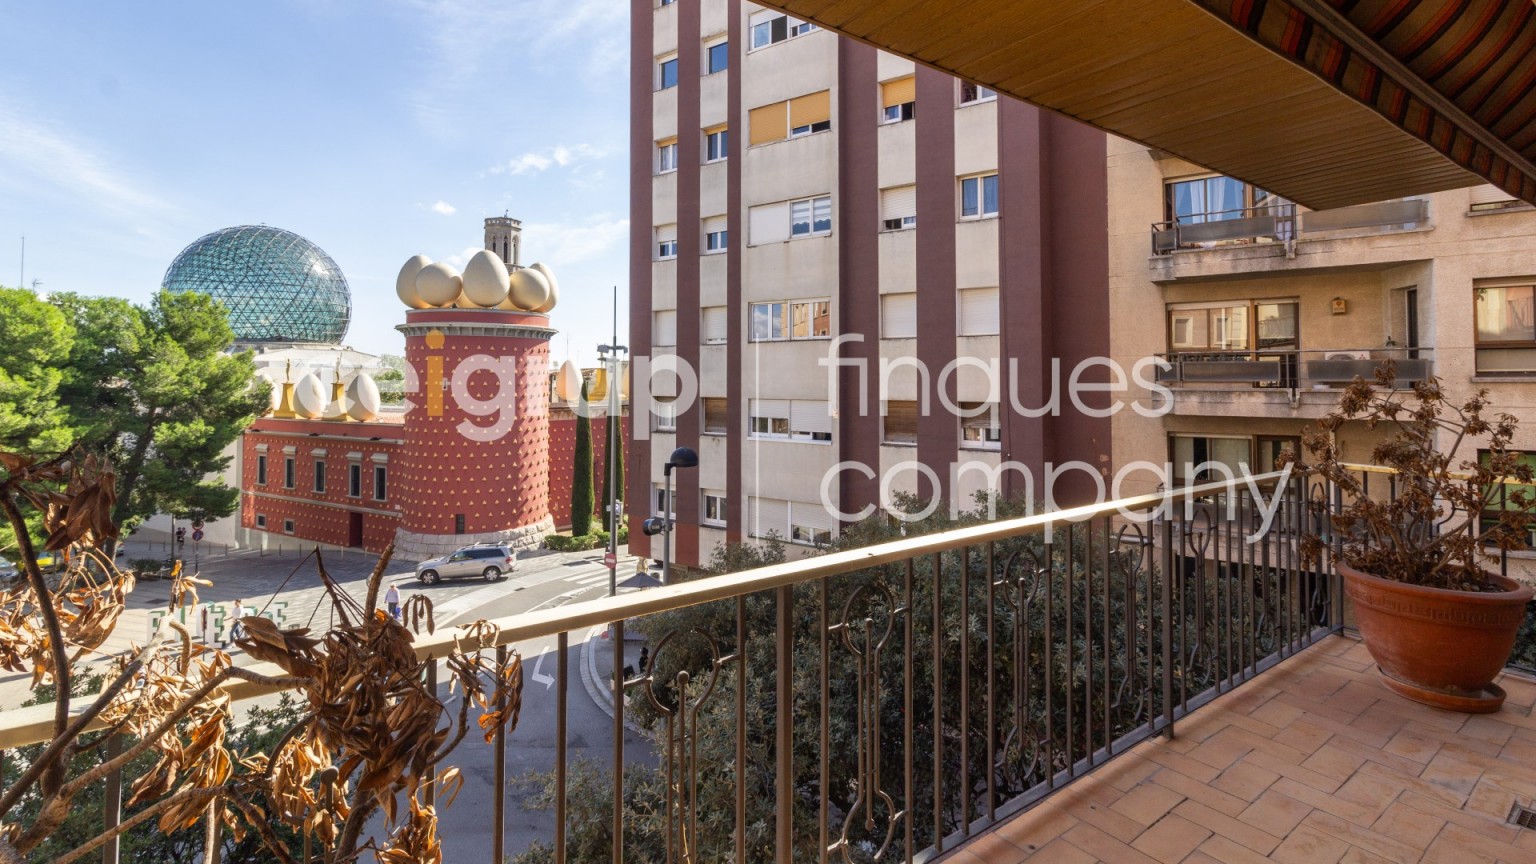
(380, 483)
(808, 524)
(898, 423)
(979, 426)
(1209, 458)
(898, 99)
(1505, 318)
(717, 144)
(661, 501)
(664, 328)
(668, 2)
(666, 74)
(770, 27)
(791, 419)
(714, 325)
(809, 535)
(289, 474)
(287, 526)
(786, 320)
(665, 415)
(458, 523)
(898, 315)
(1511, 496)
(666, 156)
(971, 94)
(261, 470)
(978, 196)
(666, 242)
(320, 477)
(1215, 328)
(978, 310)
(803, 115)
(717, 57)
(716, 416)
(898, 208)
(355, 480)
(716, 237)
(1213, 199)
(261, 520)
(787, 220)
(714, 509)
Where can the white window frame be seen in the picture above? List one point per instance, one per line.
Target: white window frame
(903, 222)
(716, 242)
(722, 146)
(666, 250)
(288, 526)
(716, 501)
(708, 48)
(793, 27)
(811, 129)
(976, 435)
(983, 94)
(812, 208)
(783, 312)
(900, 113)
(666, 415)
(261, 520)
(981, 197)
(666, 158)
(661, 72)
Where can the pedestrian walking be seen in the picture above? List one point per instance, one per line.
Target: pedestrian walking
(236, 632)
(392, 600)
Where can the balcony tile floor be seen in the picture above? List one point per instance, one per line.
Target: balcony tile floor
(1313, 762)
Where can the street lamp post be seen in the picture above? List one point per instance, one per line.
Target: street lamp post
(611, 360)
(682, 457)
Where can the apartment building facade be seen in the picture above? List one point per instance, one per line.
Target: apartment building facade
(799, 199)
(1264, 309)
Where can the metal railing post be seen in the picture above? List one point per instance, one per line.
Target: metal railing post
(1165, 604)
(784, 749)
(112, 801)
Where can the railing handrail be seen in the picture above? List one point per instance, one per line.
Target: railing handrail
(34, 724)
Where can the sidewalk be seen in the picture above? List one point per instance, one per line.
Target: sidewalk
(597, 663)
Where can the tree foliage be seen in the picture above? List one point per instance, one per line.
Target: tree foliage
(35, 343)
(581, 480)
(613, 471)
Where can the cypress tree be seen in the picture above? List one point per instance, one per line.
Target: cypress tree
(581, 485)
(612, 476)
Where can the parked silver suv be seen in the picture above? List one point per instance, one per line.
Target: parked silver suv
(489, 561)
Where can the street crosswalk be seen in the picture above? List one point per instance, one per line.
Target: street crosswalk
(588, 578)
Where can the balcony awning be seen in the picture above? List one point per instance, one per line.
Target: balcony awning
(1326, 102)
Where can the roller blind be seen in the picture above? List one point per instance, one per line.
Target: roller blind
(713, 224)
(769, 514)
(769, 223)
(714, 325)
(768, 124)
(664, 331)
(900, 422)
(898, 315)
(899, 91)
(810, 108)
(665, 233)
(898, 202)
(807, 415)
(978, 312)
(1489, 194)
(770, 408)
(716, 415)
(811, 516)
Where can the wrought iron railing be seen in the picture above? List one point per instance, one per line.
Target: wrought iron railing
(893, 701)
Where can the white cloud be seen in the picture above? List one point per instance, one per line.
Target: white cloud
(559, 156)
(31, 149)
(444, 208)
(564, 243)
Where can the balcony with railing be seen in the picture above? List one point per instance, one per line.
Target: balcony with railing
(1149, 677)
(1278, 383)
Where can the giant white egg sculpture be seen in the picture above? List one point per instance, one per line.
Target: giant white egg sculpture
(363, 398)
(568, 382)
(529, 289)
(486, 280)
(438, 284)
(309, 398)
(405, 283)
(554, 287)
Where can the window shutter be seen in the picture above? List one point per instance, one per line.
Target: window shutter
(770, 515)
(1489, 194)
(713, 224)
(811, 108)
(899, 91)
(898, 202)
(762, 16)
(898, 315)
(811, 516)
(770, 408)
(900, 422)
(664, 331)
(809, 416)
(665, 233)
(769, 223)
(978, 312)
(716, 415)
(714, 325)
(767, 124)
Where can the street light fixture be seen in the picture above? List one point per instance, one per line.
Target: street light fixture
(682, 457)
(611, 361)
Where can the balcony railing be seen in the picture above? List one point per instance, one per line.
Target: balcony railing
(1292, 370)
(1280, 223)
(901, 698)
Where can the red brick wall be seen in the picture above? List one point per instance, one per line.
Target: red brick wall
(562, 459)
(321, 517)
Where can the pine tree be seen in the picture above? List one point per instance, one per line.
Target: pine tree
(614, 475)
(581, 484)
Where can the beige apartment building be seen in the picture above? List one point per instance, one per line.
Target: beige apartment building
(800, 199)
(1264, 309)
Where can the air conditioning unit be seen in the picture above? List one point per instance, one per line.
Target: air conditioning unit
(1348, 355)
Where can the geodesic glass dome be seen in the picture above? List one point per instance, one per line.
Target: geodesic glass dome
(279, 287)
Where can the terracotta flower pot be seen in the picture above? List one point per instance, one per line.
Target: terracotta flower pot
(1438, 646)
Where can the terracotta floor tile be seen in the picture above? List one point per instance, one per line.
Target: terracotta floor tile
(1414, 828)
(1520, 690)
(1229, 852)
(1257, 839)
(1128, 770)
(1221, 750)
(1355, 697)
(1451, 773)
(1103, 846)
(1147, 803)
(1058, 852)
(1417, 746)
(1308, 846)
(1487, 727)
(1365, 838)
(1494, 828)
(1171, 839)
(1276, 813)
(1447, 851)
(1374, 753)
(1303, 735)
(1320, 782)
(1483, 844)
(1363, 814)
(1107, 820)
(1037, 827)
(1408, 783)
(1191, 768)
(991, 846)
(1206, 794)
(1335, 762)
(1245, 780)
(1277, 712)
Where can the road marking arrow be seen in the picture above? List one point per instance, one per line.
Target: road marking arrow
(547, 680)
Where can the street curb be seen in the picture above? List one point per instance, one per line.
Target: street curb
(602, 696)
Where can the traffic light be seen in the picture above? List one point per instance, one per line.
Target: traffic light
(653, 526)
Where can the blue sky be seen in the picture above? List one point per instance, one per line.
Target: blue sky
(379, 129)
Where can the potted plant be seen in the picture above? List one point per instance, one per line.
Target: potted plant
(1415, 563)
